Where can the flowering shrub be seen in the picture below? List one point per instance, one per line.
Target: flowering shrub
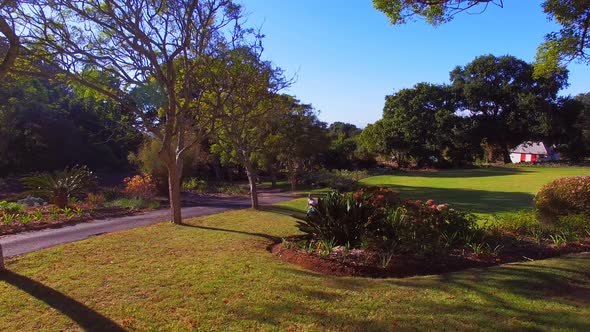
(375, 217)
(423, 228)
(563, 197)
(140, 186)
(378, 197)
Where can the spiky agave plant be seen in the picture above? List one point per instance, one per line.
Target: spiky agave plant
(58, 187)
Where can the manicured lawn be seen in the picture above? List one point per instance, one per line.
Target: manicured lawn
(482, 190)
(216, 274)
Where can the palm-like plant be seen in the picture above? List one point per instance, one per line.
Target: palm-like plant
(58, 187)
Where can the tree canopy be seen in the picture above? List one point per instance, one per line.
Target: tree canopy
(571, 42)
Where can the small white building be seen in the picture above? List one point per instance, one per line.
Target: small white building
(533, 152)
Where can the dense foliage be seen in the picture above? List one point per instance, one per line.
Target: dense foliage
(565, 196)
(492, 105)
(60, 186)
(57, 124)
(375, 218)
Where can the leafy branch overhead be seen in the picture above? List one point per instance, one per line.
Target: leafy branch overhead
(571, 42)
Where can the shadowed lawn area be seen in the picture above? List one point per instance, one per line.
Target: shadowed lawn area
(481, 190)
(216, 274)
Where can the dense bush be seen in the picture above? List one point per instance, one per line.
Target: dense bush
(10, 207)
(140, 186)
(59, 187)
(195, 184)
(204, 186)
(338, 217)
(342, 180)
(423, 228)
(563, 197)
(95, 200)
(375, 217)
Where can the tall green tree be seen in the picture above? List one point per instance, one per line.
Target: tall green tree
(246, 89)
(162, 42)
(420, 124)
(571, 42)
(297, 139)
(505, 100)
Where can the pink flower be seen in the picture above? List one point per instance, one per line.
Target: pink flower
(442, 207)
(430, 202)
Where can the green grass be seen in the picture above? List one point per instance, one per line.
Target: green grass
(216, 274)
(481, 190)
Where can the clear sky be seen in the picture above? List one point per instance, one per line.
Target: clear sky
(347, 57)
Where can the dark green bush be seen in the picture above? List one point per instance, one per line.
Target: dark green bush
(341, 180)
(563, 197)
(59, 187)
(375, 217)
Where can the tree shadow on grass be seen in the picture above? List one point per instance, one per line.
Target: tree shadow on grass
(274, 239)
(466, 173)
(87, 318)
(477, 201)
(489, 298)
(284, 210)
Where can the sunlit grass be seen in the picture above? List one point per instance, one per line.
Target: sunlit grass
(481, 190)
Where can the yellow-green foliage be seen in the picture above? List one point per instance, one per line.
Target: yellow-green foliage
(563, 197)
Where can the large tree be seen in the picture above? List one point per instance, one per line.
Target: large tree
(139, 42)
(508, 104)
(245, 92)
(297, 138)
(571, 42)
(420, 124)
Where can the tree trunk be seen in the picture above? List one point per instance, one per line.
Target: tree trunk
(174, 194)
(292, 176)
(217, 168)
(506, 154)
(273, 177)
(2, 266)
(253, 187)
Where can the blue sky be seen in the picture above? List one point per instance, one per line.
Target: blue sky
(347, 57)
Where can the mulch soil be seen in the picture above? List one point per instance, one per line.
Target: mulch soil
(362, 264)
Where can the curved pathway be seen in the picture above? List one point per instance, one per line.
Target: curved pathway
(22, 243)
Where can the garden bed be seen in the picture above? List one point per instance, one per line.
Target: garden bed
(361, 263)
(46, 220)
